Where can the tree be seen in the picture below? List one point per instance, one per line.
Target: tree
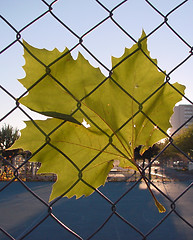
(8, 135)
(182, 140)
(148, 154)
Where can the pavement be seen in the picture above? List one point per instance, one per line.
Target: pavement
(21, 211)
(178, 175)
(166, 174)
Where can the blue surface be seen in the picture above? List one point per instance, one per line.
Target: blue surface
(20, 211)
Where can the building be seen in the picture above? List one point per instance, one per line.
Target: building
(182, 114)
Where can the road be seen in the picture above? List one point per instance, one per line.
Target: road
(20, 211)
(172, 174)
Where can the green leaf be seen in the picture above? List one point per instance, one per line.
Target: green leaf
(80, 158)
(124, 110)
(57, 85)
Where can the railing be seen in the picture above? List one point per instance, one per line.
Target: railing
(108, 16)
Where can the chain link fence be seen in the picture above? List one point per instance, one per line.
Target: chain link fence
(45, 216)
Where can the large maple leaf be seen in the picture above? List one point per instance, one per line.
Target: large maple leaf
(130, 107)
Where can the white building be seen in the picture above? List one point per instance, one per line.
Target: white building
(182, 113)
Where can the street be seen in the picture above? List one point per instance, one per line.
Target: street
(20, 211)
(172, 173)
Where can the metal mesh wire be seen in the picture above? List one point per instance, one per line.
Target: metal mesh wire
(80, 43)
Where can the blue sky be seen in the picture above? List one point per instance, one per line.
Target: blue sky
(105, 41)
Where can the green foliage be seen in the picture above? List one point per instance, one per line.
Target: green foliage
(118, 109)
(8, 135)
(183, 140)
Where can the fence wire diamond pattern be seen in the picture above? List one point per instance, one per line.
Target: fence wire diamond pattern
(115, 209)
